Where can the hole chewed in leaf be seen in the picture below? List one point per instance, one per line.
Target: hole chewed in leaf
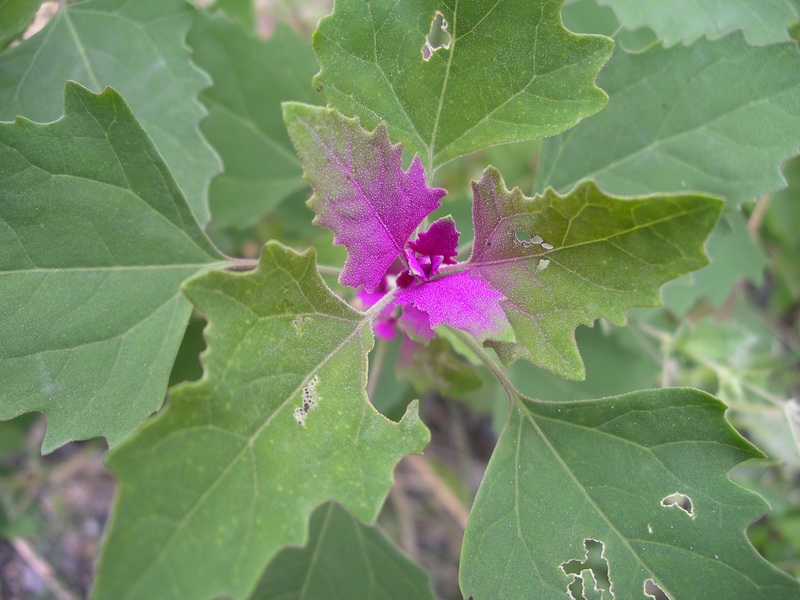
(681, 501)
(437, 38)
(651, 590)
(590, 574)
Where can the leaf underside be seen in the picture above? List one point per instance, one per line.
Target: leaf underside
(607, 470)
(606, 255)
(135, 46)
(467, 96)
(228, 475)
(96, 241)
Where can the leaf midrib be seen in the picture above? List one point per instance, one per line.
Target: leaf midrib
(247, 446)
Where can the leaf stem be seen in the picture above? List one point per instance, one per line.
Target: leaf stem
(489, 363)
(381, 349)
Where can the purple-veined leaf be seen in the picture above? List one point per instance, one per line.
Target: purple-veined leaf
(361, 192)
(564, 261)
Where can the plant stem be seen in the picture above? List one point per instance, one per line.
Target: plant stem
(513, 393)
(381, 349)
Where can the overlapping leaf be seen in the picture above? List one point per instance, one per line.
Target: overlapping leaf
(511, 72)
(96, 241)
(230, 472)
(565, 476)
(718, 117)
(762, 22)
(563, 261)
(361, 192)
(343, 560)
(251, 79)
(136, 46)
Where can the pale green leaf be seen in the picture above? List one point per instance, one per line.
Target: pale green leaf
(596, 256)
(511, 72)
(762, 21)
(564, 474)
(717, 117)
(280, 422)
(734, 256)
(136, 46)
(343, 560)
(15, 16)
(96, 240)
(245, 125)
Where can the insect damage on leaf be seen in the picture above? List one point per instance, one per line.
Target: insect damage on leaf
(438, 37)
(651, 590)
(682, 501)
(310, 399)
(593, 568)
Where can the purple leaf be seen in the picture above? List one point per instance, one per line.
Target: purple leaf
(441, 239)
(361, 192)
(459, 300)
(416, 323)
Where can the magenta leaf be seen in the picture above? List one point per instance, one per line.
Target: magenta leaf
(459, 300)
(361, 192)
(441, 239)
(416, 323)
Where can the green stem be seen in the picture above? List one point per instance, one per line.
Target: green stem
(513, 393)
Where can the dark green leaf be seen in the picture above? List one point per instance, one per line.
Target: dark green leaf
(96, 241)
(136, 46)
(343, 560)
(566, 477)
(511, 72)
(15, 17)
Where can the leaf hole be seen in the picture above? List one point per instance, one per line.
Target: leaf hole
(651, 590)
(437, 38)
(682, 501)
(590, 575)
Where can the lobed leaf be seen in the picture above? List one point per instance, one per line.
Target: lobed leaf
(717, 117)
(96, 239)
(762, 22)
(565, 477)
(343, 560)
(228, 475)
(361, 192)
(136, 46)
(509, 73)
(251, 79)
(595, 256)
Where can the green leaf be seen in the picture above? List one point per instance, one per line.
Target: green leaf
(467, 96)
(564, 474)
(136, 46)
(245, 125)
(762, 22)
(15, 17)
(598, 256)
(717, 117)
(228, 475)
(343, 560)
(96, 240)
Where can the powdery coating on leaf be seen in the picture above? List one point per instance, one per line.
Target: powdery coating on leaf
(440, 239)
(461, 301)
(361, 192)
(416, 323)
